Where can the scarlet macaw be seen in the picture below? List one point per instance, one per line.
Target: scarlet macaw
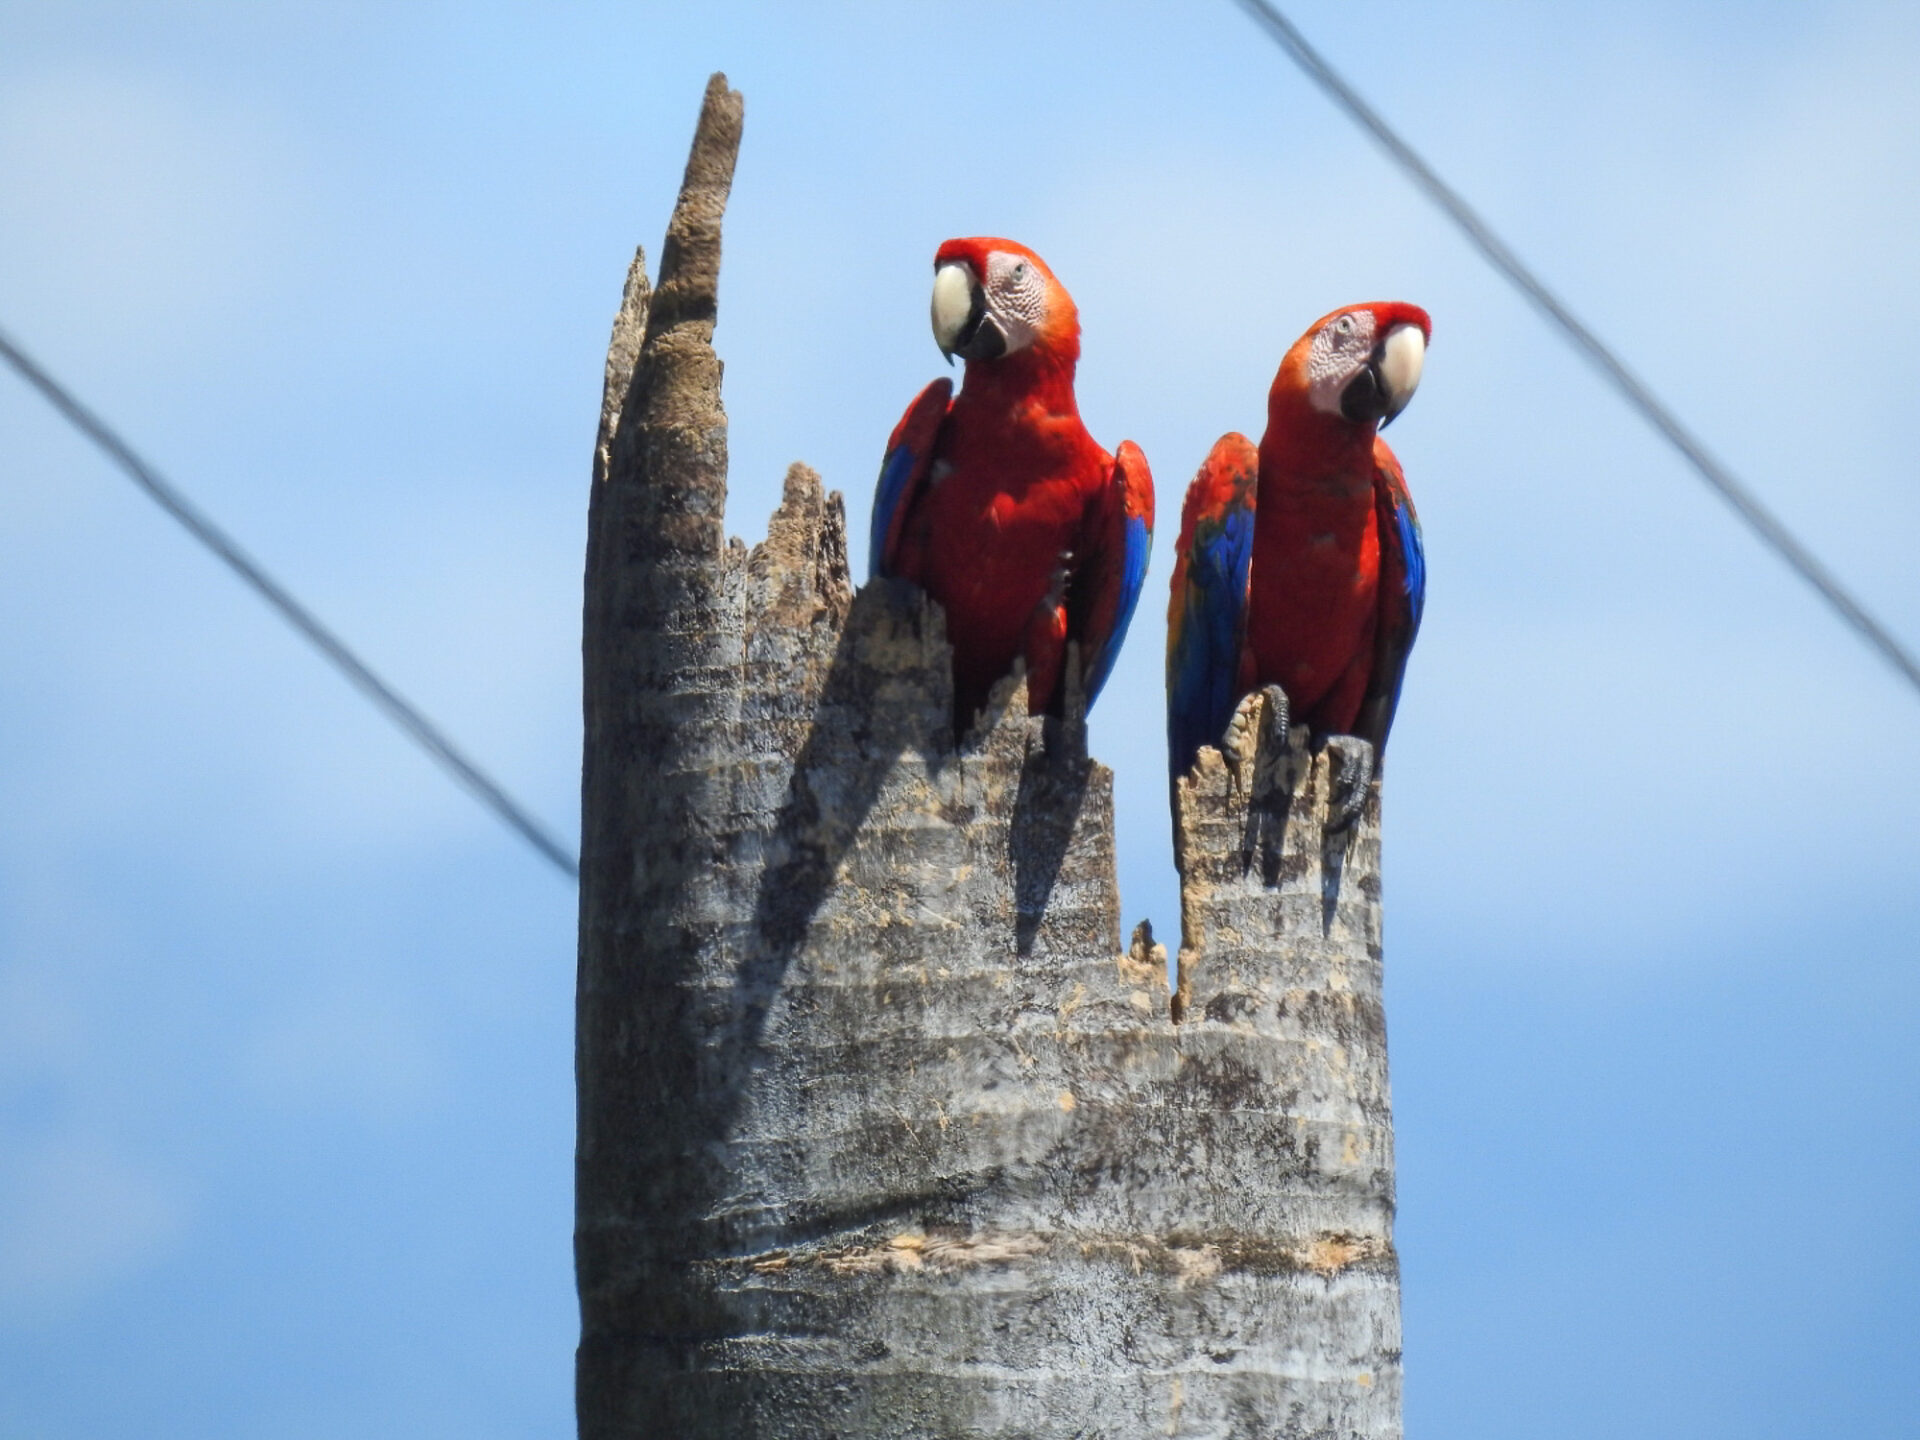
(997, 502)
(1300, 564)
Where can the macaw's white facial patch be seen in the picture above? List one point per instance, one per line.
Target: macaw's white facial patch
(1016, 297)
(1340, 349)
(1401, 357)
(952, 303)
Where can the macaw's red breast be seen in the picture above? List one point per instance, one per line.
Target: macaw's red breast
(997, 528)
(1314, 600)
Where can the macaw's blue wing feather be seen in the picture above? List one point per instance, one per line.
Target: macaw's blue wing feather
(1113, 569)
(1206, 616)
(903, 474)
(1403, 596)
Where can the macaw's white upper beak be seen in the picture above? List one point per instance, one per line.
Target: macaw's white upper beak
(954, 299)
(1397, 360)
(961, 325)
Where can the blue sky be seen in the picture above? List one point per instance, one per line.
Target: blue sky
(285, 1045)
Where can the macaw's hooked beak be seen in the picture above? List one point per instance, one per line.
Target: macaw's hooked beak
(1387, 381)
(961, 324)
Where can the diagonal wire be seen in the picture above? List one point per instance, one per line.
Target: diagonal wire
(398, 709)
(1762, 521)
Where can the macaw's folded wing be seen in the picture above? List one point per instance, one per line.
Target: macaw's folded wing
(1206, 615)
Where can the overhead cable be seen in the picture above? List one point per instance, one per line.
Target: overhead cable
(396, 706)
(1771, 530)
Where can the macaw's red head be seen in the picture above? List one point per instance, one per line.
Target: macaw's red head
(993, 298)
(1361, 363)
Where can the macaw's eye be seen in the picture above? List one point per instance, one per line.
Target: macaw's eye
(1344, 325)
(1019, 272)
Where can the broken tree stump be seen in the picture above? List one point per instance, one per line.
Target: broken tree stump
(881, 1131)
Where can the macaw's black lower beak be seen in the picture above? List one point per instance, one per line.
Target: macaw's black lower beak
(1365, 398)
(980, 338)
(986, 342)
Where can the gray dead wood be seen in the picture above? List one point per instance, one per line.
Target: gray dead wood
(881, 1131)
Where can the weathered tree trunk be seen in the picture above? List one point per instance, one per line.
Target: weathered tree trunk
(881, 1134)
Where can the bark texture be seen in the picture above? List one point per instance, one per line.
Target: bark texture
(881, 1132)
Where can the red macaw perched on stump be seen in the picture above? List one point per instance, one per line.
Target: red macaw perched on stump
(1300, 564)
(997, 502)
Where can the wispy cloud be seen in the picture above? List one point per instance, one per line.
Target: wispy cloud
(79, 1213)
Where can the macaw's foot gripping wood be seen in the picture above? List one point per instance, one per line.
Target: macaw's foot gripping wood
(881, 1133)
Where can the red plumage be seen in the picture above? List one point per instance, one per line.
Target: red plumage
(1004, 517)
(1315, 604)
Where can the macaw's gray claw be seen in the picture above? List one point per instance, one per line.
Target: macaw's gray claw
(1279, 718)
(1351, 781)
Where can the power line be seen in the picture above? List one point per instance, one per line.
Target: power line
(1769, 528)
(398, 709)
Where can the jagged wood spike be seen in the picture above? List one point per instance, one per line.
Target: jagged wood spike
(881, 1134)
(623, 353)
